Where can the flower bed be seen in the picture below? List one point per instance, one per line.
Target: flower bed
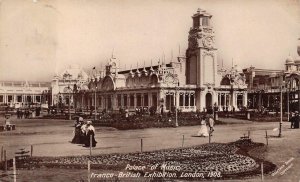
(146, 121)
(231, 160)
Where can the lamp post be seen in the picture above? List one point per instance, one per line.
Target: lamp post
(69, 104)
(95, 102)
(288, 101)
(280, 124)
(176, 114)
(57, 101)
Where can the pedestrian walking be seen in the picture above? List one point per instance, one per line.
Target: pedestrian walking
(211, 123)
(203, 132)
(90, 131)
(292, 120)
(296, 121)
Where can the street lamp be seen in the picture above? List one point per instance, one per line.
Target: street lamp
(96, 102)
(288, 101)
(176, 114)
(280, 124)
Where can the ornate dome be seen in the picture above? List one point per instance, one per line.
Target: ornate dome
(289, 60)
(297, 60)
(238, 69)
(75, 72)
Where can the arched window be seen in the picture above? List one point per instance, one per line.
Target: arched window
(225, 81)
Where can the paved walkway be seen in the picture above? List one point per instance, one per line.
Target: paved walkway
(52, 138)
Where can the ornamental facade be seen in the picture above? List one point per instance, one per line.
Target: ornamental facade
(191, 82)
(66, 85)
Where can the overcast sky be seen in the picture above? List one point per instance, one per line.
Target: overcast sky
(41, 37)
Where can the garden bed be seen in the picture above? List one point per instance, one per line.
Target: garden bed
(146, 121)
(233, 160)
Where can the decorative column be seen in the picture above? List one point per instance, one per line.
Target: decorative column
(183, 100)
(189, 99)
(5, 98)
(194, 101)
(245, 99)
(177, 99)
(128, 101)
(135, 100)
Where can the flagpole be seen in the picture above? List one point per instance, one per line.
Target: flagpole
(95, 94)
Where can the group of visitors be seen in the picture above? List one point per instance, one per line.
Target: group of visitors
(83, 131)
(295, 120)
(23, 113)
(206, 121)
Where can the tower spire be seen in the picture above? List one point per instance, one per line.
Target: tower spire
(112, 53)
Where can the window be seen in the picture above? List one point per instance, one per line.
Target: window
(146, 100)
(154, 99)
(38, 98)
(186, 100)
(125, 100)
(132, 100)
(196, 22)
(180, 100)
(10, 98)
(19, 98)
(138, 100)
(67, 100)
(119, 101)
(100, 102)
(1, 98)
(28, 98)
(192, 99)
(205, 21)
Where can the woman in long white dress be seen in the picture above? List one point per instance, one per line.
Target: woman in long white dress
(203, 128)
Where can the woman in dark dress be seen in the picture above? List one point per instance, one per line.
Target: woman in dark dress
(77, 136)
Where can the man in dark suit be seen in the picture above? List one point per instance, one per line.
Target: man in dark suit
(292, 120)
(296, 121)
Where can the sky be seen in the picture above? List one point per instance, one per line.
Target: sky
(40, 38)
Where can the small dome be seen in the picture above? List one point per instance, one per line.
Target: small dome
(289, 60)
(297, 60)
(238, 69)
(273, 75)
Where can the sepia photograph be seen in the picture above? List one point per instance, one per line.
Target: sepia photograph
(149, 90)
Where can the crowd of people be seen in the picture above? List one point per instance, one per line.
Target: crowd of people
(84, 130)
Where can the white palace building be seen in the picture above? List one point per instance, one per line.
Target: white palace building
(191, 82)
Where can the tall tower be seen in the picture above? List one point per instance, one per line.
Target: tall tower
(201, 64)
